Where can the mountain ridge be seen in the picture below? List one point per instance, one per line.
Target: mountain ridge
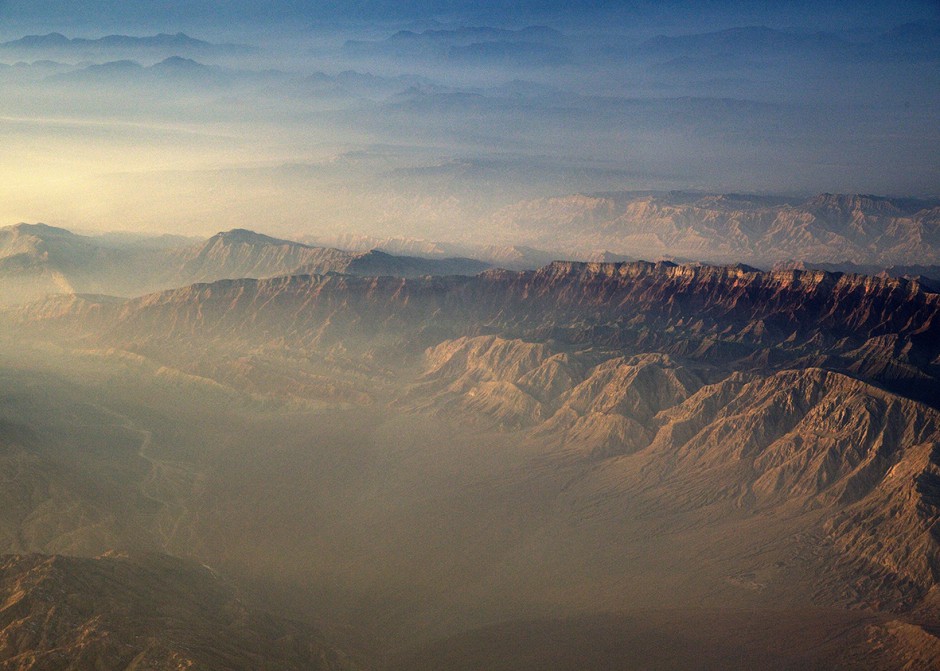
(161, 41)
(37, 259)
(826, 228)
(883, 329)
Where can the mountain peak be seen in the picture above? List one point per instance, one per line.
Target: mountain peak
(41, 230)
(376, 254)
(850, 202)
(247, 237)
(179, 37)
(180, 63)
(49, 39)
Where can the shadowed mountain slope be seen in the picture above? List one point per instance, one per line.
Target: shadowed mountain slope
(152, 612)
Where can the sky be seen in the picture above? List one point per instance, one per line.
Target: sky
(781, 12)
(429, 118)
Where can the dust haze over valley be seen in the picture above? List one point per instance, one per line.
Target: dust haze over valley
(537, 335)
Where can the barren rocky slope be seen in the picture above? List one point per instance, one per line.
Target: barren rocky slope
(779, 444)
(140, 613)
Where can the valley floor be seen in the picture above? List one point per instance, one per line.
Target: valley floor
(412, 541)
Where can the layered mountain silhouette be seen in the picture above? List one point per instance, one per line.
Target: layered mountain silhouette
(37, 260)
(511, 257)
(60, 45)
(534, 45)
(739, 48)
(832, 232)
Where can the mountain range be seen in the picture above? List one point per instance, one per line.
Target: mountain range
(827, 228)
(842, 233)
(747, 43)
(803, 397)
(606, 422)
(534, 46)
(81, 47)
(37, 260)
(535, 335)
(882, 329)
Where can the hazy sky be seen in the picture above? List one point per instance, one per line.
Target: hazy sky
(325, 117)
(706, 13)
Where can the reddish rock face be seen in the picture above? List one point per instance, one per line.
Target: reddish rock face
(883, 329)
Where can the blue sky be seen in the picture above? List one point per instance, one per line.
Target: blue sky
(798, 13)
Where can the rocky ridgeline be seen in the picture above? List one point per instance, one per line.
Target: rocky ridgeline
(886, 330)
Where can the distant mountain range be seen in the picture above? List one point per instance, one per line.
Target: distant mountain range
(763, 43)
(534, 46)
(241, 253)
(36, 260)
(843, 233)
(172, 70)
(827, 228)
(744, 41)
(179, 43)
(511, 257)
